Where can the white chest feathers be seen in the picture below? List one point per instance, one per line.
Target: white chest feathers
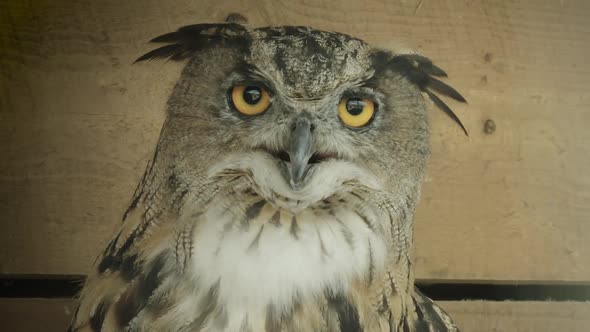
(258, 255)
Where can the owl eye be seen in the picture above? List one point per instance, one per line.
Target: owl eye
(249, 100)
(356, 112)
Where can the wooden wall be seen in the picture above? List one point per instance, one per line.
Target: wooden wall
(78, 123)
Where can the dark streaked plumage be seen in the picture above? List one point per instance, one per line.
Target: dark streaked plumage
(221, 236)
(190, 39)
(187, 40)
(418, 70)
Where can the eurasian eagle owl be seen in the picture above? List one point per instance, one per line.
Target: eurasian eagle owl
(281, 193)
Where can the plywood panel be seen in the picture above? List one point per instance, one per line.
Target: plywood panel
(482, 316)
(28, 315)
(54, 315)
(78, 123)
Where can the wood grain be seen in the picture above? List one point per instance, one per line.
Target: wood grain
(78, 123)
(482, 316)
(27, 315)
(54, 315)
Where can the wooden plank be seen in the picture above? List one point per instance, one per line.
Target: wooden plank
(27, 315)
(78, 123)
(483, 316)
(52, 315)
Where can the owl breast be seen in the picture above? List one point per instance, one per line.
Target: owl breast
(258, 255)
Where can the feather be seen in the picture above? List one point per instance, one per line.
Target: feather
(348, 315)
(426, 65)
(442, 106)
(164, 52)
(97, 319)
(188, 40)
(436, 71)
(181, 261)
(445, 89)
(170, 37)
(418, 69)
(430, 317)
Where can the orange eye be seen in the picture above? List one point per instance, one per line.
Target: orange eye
(249, 100)
(356, 112)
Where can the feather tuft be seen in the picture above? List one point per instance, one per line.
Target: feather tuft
(420, 71)
(186, 41)
(448, 111)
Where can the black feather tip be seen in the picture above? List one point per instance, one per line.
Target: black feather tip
(448, 111)
(420, 71)
(186, 41)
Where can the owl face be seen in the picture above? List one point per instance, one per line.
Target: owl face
(300, 114)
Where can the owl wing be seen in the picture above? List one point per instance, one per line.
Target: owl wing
(130, 282)
(128, 286)
(429, 316)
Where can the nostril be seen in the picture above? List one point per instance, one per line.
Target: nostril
(316, 158)
(284, 156)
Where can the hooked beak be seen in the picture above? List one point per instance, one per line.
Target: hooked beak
(300, 151)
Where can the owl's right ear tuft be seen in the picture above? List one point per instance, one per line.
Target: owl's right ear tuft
(421, 71)
(186, 41)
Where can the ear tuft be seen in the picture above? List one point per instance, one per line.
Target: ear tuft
(186, 41)
(420, 71)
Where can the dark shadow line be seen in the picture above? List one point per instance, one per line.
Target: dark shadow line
(68, 286)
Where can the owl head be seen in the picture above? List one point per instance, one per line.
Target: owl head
(296, 115)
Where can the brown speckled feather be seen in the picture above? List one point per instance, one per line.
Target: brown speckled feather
(220, 236)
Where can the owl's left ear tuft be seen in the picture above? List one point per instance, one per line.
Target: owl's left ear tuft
(420, 71)
(186, 41)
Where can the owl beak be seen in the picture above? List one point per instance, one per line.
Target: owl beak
(300, 151)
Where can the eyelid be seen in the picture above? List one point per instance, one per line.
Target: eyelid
(362, 92)
(254, 81)
(376, 99)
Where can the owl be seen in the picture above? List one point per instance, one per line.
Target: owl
(281, 193)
